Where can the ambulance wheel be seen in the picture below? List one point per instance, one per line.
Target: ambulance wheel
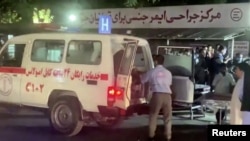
(107, 122)
(65, 117)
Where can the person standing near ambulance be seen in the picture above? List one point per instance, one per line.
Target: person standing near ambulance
(160, 81)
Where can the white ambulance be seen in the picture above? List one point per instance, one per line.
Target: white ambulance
(75, 77)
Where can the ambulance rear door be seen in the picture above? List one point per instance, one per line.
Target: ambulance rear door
(123, 79)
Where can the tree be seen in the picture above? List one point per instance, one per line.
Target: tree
(142, 3)
(24, 8)
(15, 11)
(42, 16)
(26, 11)
(9, 17)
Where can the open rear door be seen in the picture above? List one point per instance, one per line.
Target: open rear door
(124, 79)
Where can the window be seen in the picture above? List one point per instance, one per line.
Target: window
(11, 51)
(48, 51)
(84, 52)
(127, 59)
(12, 55)
(139, 57)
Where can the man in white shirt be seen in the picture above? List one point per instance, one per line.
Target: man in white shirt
(160, 81)
(223, 84)
(223, 81)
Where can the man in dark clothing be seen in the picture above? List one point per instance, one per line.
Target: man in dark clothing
(238, 59)
(219, 58)
(202, 68)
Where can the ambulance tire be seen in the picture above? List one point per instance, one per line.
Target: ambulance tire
(111, 124)
(56, 119)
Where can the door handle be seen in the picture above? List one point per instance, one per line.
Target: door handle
(15, 75)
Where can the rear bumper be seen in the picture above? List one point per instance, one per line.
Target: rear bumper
(109, 111)
(140, 109)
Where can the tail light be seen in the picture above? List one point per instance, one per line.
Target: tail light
(113, 94)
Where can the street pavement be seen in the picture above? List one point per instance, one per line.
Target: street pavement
(32, 126)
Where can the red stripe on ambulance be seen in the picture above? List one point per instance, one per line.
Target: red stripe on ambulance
(104, 77)
(12, 70)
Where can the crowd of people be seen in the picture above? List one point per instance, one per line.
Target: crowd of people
(226, 76)
(208, 61)
(211, 68)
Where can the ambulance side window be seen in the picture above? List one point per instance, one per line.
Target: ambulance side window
(12, 55)
(48, 51)
(84, 52)
(139, 58)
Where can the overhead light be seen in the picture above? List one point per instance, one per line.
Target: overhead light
(197, 38)
(129, 32)
(72, 18)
